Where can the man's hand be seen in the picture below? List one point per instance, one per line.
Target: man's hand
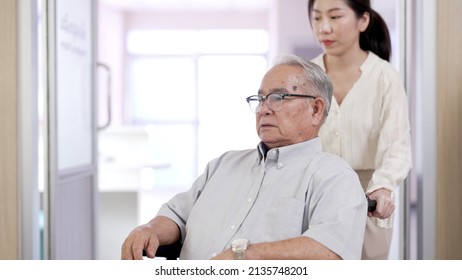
(385, 205)
(148, 237)
(141, 238)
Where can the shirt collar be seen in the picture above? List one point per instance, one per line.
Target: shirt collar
(286, 154)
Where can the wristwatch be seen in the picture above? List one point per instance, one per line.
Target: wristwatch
(239, 246)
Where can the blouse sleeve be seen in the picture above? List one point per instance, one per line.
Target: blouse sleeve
(393, 158)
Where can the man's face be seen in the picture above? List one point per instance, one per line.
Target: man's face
(297, 120)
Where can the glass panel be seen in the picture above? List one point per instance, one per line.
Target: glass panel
(226, 121)
(163, 89)
(74, 84)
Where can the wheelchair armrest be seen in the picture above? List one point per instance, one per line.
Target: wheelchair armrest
(170, 252)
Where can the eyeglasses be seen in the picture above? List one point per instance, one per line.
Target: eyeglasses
(274, 100)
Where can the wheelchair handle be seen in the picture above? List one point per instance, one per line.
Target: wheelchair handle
(371, 204)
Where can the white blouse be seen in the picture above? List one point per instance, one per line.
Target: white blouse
(370, 129)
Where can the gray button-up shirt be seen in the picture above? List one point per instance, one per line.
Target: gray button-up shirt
(297, 190)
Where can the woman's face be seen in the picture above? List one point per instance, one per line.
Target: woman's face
(336, 26)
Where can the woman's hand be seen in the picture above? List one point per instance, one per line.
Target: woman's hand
(385, 204)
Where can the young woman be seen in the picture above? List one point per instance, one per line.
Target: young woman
(368, 123)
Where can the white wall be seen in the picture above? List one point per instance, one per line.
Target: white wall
(286, 20)
(196, 20)
(290, 28)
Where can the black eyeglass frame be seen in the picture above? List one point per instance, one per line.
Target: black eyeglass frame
(261, 99)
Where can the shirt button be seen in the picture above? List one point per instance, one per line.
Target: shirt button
(232, 227)
(336, 133)
(214, 255)
(280, 164)
(249, 200)
(273, 152)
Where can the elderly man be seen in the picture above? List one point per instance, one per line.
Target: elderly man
(286, 199)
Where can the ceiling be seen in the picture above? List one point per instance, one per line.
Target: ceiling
(188, 5)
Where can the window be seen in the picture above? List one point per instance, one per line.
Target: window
(189, 88)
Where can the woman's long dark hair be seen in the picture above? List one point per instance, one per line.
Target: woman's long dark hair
(376, 37)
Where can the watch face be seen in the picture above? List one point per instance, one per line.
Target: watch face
(240, 244)
(239, 247)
